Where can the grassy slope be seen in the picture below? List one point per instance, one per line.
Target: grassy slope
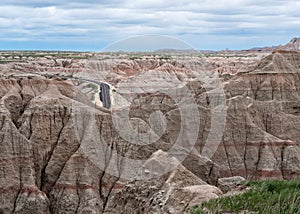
(264, 197)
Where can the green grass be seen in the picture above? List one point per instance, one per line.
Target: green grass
(264, 197)
(6, 61)
(38, 54)
(93, 86)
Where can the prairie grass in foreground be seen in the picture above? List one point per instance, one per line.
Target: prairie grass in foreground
(264, 197)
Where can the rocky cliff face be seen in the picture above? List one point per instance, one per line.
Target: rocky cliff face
(47, 163)
(43, 169)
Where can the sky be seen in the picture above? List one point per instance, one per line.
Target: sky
(92, 25)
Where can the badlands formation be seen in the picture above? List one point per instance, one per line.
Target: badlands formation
(207, 116)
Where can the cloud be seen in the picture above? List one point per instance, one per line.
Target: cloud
(80, 22)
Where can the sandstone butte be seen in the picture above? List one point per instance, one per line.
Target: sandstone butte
(43, 168)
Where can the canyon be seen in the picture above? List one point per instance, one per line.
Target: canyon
(178, 124)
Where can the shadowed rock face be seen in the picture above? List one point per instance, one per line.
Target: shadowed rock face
(43, 168)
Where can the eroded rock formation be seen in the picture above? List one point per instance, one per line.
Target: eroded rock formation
(44, 169)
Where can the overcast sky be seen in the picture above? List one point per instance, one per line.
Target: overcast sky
(92, 25)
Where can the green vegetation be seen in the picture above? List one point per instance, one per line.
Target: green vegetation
(264, 197)
(207, 55)
(226, 76)
(135, 57)
(93, 97)
(5, 61)
(18, 55)
(93, 86)
(165, 57)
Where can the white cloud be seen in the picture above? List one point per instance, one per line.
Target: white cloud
(112, 20)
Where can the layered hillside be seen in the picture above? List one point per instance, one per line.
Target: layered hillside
(61, 153)
(280, 61)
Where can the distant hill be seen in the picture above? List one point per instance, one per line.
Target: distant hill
(293, 45)
(177, 51)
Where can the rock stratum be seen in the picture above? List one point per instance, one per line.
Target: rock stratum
(46, 164)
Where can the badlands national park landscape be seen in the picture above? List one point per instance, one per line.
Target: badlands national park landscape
(166, 131)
